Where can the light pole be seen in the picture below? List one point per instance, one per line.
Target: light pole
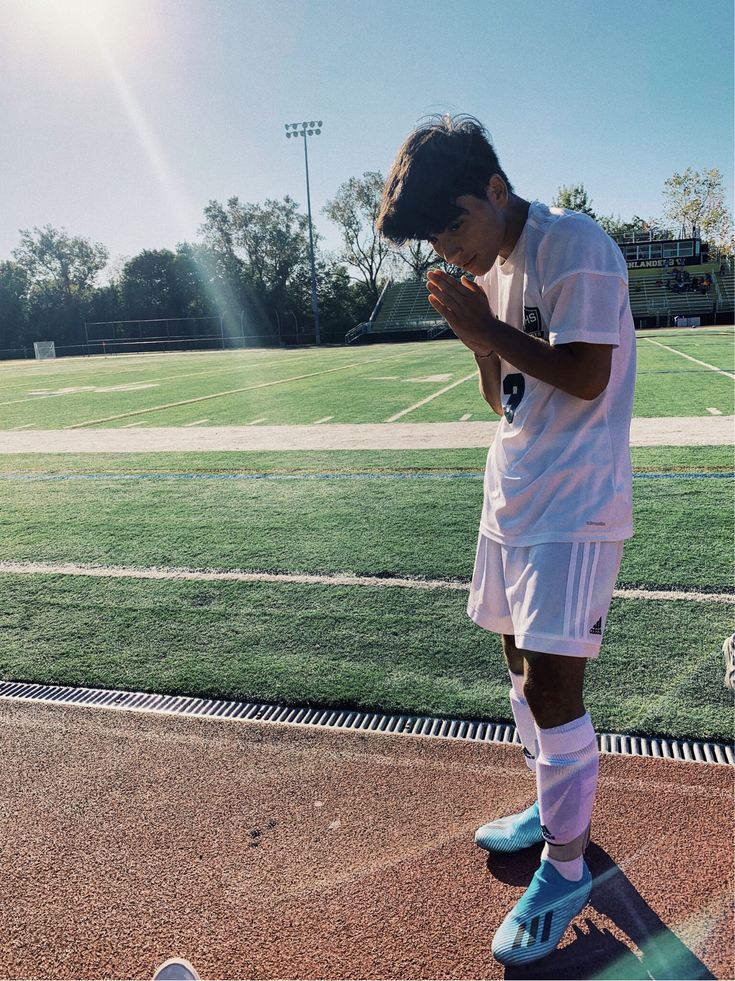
(309, 129)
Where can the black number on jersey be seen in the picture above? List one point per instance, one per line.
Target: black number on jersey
(514, 386)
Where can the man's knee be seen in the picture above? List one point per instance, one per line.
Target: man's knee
(513, 657)
(553, 688)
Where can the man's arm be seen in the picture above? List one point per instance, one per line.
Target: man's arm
(579, 369)
(490, 381)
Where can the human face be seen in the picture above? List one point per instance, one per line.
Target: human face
(480, 233)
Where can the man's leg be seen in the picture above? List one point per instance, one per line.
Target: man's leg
(566, 779)
(517, 831)
(568, 758)
(525, 722)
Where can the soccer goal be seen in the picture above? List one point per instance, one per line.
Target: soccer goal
(45, 350)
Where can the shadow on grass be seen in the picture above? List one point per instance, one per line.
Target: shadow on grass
(597, 954)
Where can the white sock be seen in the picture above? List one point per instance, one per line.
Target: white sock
(524, 721)
(566, 777)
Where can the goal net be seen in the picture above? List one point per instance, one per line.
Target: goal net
(44, 350)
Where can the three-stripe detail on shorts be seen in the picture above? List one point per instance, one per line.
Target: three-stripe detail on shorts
(580, 588)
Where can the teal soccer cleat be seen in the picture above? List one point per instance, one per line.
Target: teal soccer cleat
(537, 922)
(511, 834)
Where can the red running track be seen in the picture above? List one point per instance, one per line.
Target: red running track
(267, 851)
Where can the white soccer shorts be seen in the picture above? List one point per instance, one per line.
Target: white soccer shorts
(553, 598)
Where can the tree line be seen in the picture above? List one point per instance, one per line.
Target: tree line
(250, 269)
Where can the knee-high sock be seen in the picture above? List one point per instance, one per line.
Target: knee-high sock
(566, 778)
(524, 721)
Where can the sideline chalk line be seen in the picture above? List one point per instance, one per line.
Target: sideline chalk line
(337, 579)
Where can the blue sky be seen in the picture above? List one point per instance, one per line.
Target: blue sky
(121, 119)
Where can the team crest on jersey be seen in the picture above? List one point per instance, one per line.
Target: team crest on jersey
(532, 321)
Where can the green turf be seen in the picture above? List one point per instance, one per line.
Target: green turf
(388, 649)
(367, 384)
(384, 649)
(397, 526)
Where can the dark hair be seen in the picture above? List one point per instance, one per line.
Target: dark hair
(442, 159)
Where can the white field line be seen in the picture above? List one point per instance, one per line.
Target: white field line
(689, 357)
(243, 366)
(197, 423)
(27, 426)
(714, 412)
(338, 579)
(430, 397)
(465, 418)
(234, 391)
(256, 421)
(320, 421)
(133, 369)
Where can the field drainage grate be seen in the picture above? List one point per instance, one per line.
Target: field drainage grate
(472, 730)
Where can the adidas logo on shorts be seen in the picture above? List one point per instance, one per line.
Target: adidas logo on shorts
(597, 628)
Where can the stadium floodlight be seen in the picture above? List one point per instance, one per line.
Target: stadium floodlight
(305, 129)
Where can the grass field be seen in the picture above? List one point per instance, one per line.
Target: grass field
(343, 385)
(391, 514)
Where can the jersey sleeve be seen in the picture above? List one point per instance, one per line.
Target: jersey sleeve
(584, 283)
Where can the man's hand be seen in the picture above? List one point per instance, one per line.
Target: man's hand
(465, 308)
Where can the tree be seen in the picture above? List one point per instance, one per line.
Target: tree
(13, 314)
(616, 226)
(355, 209)
(419, 258)
(575, 198)
(148, 285)
(53, 258)
(263, 249)
(61, 272)
(695, 202)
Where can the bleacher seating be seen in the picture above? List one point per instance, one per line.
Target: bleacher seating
(725, 282)
(654, 296)
(402, 308)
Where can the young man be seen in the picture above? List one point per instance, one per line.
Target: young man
(548, 320)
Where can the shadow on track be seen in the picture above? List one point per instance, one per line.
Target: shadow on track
(597, 954)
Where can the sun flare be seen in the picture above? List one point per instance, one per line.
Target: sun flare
(79, 23)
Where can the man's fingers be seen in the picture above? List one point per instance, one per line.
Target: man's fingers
(441, 308)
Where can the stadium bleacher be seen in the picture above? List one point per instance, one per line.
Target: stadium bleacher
(403, 311)
(656, 301)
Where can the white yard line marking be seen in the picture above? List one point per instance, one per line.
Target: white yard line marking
(256, 421)
(429, 398)
(714, 412)
(234, 391)
(689, 357)
(465, 418)
(338, 579)
(197, 423)
(320, 421)
(28, 425)
(131, 425)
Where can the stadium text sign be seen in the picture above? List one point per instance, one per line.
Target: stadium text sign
(661, 263)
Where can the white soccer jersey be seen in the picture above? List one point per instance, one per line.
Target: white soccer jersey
(559, 468)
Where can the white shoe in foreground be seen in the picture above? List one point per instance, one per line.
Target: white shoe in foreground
(175, 969)
(537, 922)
